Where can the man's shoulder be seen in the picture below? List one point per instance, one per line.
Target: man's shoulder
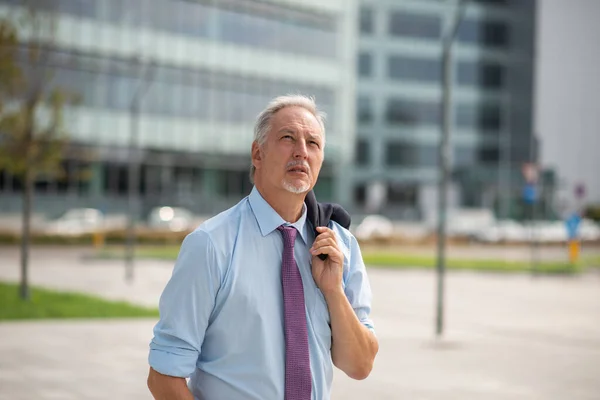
(226, 220)
(344, 233)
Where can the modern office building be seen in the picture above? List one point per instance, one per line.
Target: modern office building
(399, 110)
(201, 71)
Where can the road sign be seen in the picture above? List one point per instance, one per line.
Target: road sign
(530, 193)
(580, 191)
(572, 224)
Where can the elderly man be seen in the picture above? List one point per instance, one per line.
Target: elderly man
(251, 310)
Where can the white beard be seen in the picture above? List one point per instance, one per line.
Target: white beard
(296, 189)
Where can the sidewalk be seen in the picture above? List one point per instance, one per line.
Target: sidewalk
(508, 337)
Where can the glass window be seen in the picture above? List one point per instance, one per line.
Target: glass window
(400, 111)
(414, 25)
(417, 69)
(464, 156)
(494, 2)
(488, 155)
(363, 148)
(364, 110)
(487, 33)
(405, 194)
(80, 8)
(411, 155)
(365, 64)
(282, 34)
(479, 116)
(366, 20)
(428, 155)
(360, 194)
(487, 75)
(401, 154)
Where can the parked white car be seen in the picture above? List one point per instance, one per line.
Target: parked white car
(76, 221)
(374, 227)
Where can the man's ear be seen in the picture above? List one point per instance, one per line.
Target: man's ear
(256, 154)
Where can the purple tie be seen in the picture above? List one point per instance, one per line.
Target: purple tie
(298, 384)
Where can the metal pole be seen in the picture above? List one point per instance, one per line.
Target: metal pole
(444, 157)
(505, 147)
(134, 171)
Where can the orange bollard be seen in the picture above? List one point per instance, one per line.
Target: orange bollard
(573, 251)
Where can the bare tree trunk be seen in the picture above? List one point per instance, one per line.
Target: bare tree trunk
(25, 236)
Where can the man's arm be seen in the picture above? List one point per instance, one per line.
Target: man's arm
(164, 387)
(185, 308)
(354, 346)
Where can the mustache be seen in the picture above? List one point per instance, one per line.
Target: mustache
(297, 163)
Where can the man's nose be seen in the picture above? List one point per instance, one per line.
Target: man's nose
(301, 151)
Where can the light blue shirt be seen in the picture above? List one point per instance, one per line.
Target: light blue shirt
(221, 313)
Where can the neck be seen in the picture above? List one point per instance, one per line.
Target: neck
(288, 205)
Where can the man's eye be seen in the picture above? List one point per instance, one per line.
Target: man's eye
(315, 143)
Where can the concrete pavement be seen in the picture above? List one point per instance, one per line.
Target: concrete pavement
(507, 337)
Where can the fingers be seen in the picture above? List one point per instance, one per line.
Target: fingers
(325, 242)
(324, 250)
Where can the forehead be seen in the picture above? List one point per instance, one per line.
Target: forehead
(297, 118)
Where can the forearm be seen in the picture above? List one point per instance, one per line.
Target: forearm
(165, 387)
(354, 346)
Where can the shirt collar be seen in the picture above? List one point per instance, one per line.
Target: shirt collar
(268, 219)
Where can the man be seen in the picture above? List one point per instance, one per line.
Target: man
(251, 311)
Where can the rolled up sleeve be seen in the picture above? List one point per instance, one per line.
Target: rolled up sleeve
(185, 308)
(357, 286)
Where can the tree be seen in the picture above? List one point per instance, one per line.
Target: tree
(32, 130)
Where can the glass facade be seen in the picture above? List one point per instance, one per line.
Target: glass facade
(259, 25)
(178, 92)
(184, 109)
(493, 91)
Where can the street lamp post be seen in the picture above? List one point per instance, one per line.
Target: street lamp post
(134, 168)
(451, 28)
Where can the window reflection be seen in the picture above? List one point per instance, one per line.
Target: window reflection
(400, 111)
(362, 155)
(411, 154)
(479, 116)
(487, 33)
(278, 29)
(414, 25)
(487, 75)
(418, 69)
(365, 64)
(464, 156)
(366, 20)
(364, 110)
(184, 93)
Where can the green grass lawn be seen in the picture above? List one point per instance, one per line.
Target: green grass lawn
(397, 260)
(52, 304)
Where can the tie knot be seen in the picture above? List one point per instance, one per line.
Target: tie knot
(289, 234)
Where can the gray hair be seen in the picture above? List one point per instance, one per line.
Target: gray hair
(263, 121)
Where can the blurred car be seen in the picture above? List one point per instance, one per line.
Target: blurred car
(374, 227)
(589, 230)
(503, 231)
(174, 219)
(76, 221)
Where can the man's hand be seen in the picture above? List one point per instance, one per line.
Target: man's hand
(327, 274)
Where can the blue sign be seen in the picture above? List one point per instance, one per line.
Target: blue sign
(572, 224)
(529, 193)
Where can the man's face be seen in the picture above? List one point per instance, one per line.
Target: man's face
(292, 155)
